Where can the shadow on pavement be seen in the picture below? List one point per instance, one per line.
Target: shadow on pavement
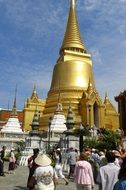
(20, 188)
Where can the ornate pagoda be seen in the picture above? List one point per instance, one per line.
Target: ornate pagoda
(13, 125)
(75, 72)
(30, 108)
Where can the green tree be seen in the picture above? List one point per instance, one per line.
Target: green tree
(110, 139)
(107, 139)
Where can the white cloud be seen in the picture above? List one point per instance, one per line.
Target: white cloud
(122, 28)
(96, 55)
(37, 17)
(123, 1)
(88, 5)
(91, 4)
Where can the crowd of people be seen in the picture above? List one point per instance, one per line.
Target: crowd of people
(90, 167)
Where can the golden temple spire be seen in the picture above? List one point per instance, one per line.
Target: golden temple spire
(73, 3)
(34, 89)
(34, 93)
(106, 97)
(72, 38)
(90, 87)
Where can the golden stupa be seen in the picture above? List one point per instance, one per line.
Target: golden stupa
(73, 75)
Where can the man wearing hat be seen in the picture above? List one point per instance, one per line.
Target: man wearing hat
(44, 173)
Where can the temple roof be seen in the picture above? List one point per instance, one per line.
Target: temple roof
(34, 93)
(5, 115)
(72, 37)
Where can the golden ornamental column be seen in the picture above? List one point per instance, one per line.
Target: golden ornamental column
(91, 115)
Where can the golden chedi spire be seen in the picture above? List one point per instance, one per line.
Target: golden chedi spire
(74, 65)
(34, 93)
(73, 69)
(72, 37)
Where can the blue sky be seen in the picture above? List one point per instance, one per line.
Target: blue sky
(31, 33)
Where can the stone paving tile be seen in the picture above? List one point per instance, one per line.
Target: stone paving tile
(18, 180)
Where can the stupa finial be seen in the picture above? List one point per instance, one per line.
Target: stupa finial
(34, 92)
(73, 3)
(34, 89)
(72, 38)
(106, 94)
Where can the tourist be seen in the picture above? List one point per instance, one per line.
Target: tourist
(44, 176)
(108, 174)
(72, 158)
(58, 166)
(65, 160)
(32, 166)
(2, 156)
(118, 159)
(87, 150)
(123, 153)
(95, 160)
(121, 183)
(103, 160)
(83, 173)
(12, 161)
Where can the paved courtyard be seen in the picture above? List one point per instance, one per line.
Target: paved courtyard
(18, 180)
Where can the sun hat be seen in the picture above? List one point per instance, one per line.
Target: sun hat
(58, 149)
(43, 160)
(117, 153)
(93, 149)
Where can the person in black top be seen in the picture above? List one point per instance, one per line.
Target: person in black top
(2, 155)
(32, 166)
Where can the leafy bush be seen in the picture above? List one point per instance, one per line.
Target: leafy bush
(108, 139)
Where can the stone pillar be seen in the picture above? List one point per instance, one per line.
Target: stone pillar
(91, 116)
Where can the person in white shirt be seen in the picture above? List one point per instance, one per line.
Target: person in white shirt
(44, 174)
(58, 166)
(108, 174)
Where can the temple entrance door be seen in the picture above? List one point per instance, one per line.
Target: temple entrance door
(96, 115)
